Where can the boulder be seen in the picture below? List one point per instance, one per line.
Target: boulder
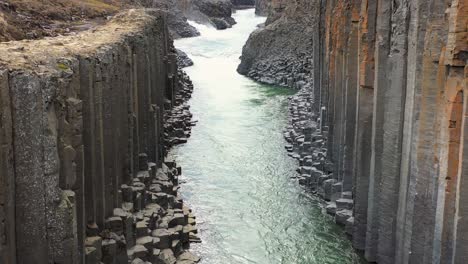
(189, 257)
(166, 256)
(164, 238)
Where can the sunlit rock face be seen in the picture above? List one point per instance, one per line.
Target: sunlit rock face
(386, 89)
(217, 13)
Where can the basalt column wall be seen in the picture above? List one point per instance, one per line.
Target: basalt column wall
(390, 89)
(77, 113)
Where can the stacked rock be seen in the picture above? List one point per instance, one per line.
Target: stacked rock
(178, 122)
(152, 226)
(292, 72)
(183, 59)
(307, 143)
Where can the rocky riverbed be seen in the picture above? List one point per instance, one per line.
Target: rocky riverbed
(307, 143)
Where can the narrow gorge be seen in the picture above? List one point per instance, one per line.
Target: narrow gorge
(233, 131)
(378, 123)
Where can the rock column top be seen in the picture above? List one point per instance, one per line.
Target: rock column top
(46, 55)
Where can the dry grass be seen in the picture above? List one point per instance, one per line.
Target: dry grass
(20, 19)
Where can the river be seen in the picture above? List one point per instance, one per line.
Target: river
(236, 173)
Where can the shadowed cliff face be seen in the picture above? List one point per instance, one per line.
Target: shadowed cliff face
(279, 53)
(84, 131)
(379, 129)
(213, 12)
(261, 7)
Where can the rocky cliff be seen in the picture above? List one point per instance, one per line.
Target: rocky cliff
(380, 131)
(279, 53)
(84, 131)
(215, 12)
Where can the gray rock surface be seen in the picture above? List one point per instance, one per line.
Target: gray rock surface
(215, 12)
(176, 19)
(276, 54)
(183, 59)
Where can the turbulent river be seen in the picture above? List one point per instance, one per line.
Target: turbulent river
(237, 176)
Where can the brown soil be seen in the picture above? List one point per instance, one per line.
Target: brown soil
(34, 19)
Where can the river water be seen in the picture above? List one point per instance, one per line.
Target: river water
(236, 174)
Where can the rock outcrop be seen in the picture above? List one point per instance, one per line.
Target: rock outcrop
(380, 131)
(183, 59)
(280, 53)
(84, 129)
(215, 12)
(176, 19)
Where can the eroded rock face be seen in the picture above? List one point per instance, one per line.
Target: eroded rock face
(262, 7)
(276, 54)
(85, 128)
(183, 59)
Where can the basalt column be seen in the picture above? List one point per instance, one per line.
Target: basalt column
(340, 99)
(364, 114)
(81, 144)
(394, 81)
(419, 167)
(389, 108)
(7, 180)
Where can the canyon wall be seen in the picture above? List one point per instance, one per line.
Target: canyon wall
(380, 133)
(86, 121)
(278, 53)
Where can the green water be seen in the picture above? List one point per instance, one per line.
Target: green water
(236, 174)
